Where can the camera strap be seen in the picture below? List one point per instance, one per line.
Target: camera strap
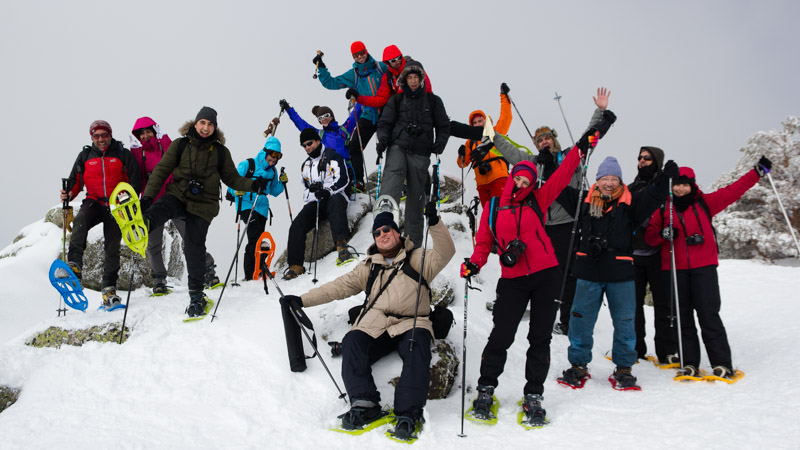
(373, 274)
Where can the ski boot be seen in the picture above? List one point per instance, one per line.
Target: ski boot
(293, 272)
(197, 304)
(482, 406)
(574, 377)
(210, 278)
(362, 413)
(110, 297)
(623, 380)
(535, 415)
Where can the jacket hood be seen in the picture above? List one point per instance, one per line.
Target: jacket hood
(391, 52)
(509, 194)
(143, 122)
(412, 66)
(687, 172)
(184, 130)
(273, 144)
(406, 244)
(475, 114)
(657, 153)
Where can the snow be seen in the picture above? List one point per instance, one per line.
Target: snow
(227, 384)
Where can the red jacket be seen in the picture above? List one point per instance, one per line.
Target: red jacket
(101, 171)
(389, 87)
(694, 221)
(539, 253)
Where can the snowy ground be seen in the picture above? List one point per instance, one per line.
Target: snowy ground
(227, 384)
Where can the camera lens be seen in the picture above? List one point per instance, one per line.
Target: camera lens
(508, 259)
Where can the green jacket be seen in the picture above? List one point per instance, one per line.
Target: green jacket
(199, 160)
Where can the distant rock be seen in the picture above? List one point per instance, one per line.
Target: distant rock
(55, 337)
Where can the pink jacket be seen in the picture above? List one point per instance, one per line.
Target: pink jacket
(149, 153)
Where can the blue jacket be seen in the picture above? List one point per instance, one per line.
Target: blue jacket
(365, 78)
(333, 136)
(262, 170)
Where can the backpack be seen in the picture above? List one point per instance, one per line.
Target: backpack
(495, 208)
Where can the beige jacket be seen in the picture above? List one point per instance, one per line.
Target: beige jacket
(400, 296)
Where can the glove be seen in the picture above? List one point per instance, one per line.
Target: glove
(259, 185)
(545, 157)
(323, 194)
(431, 214)
(462, 151)
(351, 93)
(504, 89)
(380, 148)
(469, 268)
(314, 187)
(588, 140)
(283, 178)
(605, 123)
(229, 197)
(671, 170)
(284, 106)
(336, 348)
(669, 234)
(318, 61)
(145, 203)
(763, 166)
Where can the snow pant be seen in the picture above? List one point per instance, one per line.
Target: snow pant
(560, 236)
(360, 351)
(194, 238)
(698, 290)
(513, 295)
(586, 306)
(493, 189)
(358, 142)
(92, 213)
(155, 244)
(254, 230)
(403, 167)
(648, 270)
(333, 209)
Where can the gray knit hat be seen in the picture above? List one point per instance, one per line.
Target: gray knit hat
(609, 166)
(208, 113)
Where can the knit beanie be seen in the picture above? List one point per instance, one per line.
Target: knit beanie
(321, 110)
(208, 113)
(385, 218)
(309, 134)
(524, 170)
(356, 47)
(99, 125)
(609, 166)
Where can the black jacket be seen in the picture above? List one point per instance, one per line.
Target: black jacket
(409, 121)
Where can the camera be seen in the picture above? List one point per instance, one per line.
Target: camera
(596, 245)
(413, 129)
(695, 239)
(513, 251)
(336, 348)
(483, 169)
(195, 187)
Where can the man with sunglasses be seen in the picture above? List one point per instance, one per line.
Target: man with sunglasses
(99, 167)
(260, 167)
(365, 77)
(396, 62)
(325, 181)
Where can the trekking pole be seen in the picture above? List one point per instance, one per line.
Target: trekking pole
(472, 213)
(64, 215)
(238, 246)
(315, 245)
(238, 231)
(316, 69)
(558, 99)
(783, 210)
(295, 313)
(127, 302)
(464, 354)
(378, 185)
(272, 128)
(520, 116)
(288, 203)
(424, 252)
(674, 275)
(363, 162)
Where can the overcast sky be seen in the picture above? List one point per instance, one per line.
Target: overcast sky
(695, 78)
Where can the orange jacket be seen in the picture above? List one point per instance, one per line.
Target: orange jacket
(497, 167)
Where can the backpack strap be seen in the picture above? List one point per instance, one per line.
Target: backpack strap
(220, 156)
(495, 208)
(251, 167)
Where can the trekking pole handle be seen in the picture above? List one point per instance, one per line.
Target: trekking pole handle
(64, 182)
(316, 68)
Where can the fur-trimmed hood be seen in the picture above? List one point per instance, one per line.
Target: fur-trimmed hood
(184, 130)
(415, 67)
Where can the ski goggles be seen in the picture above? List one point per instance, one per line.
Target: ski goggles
(323, 117)
(395, 60)
(359, 54)
(273, 153)
(378, 231)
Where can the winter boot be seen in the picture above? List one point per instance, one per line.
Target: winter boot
(110, 297)
(688, 371)
(76, 269)
(344, 252)
(362, 412)
(159, 286)
(197, 304)
(623, 380)
(405, 428)
(672, 359)
(561, 329)
(574, 377)
(535, 415)
(210, 278)
(293, 272)
(482, 406)
(724, 372)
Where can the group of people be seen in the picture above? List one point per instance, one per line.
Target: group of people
(578, 242)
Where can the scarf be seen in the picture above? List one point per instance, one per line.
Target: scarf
(392, 252)
(599, 202)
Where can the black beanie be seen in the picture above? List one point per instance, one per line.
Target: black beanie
(385, 218)
(309, 134)
(208, 113)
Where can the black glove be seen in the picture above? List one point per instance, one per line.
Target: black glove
(380, 148)
(588, 140)
(351, 93)
(668, 233)
(259, 185)
(318, 60)
(605, 123)
(763, 166)
(545, 157)
(462, 151)
(504, 89)
(336, 348)
(229, 197)
(284, 105)
(671, 170)
(323, 194)
(314, 187)
(469, 268)
(292, 302)
(431, 214)
(145, 203)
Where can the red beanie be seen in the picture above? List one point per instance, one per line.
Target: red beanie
(99, 125)
(357, 46)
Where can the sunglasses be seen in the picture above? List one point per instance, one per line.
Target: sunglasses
(323, 117)
(383, 229)
(645, 157)
(101, 136)
(273, 153)
(360, 54)
(307, 143)
(395, 60)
